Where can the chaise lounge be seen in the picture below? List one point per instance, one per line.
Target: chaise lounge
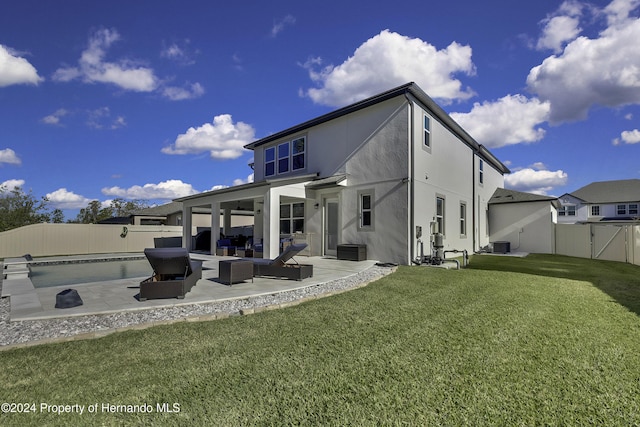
(174, 273)
(279, 267)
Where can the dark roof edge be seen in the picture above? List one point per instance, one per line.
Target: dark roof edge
(222, 190)
(392, 93)
(406, 89)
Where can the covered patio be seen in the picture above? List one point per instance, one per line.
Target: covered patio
(280, 208)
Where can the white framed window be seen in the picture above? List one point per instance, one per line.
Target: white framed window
(481, 172)
(365, 210)
(298, 151)
(463, 219)
(283, 157)
(286, 157)
(427, 131)
(595, 210)
(621, 209)
(270, 161)
(633, 209)
(292, 218)
(440, 214)
(569, 210)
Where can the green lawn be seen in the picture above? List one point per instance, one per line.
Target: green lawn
(545, 340)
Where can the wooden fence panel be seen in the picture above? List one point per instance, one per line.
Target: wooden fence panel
(599, 241)
(573, 240)
(80, 239)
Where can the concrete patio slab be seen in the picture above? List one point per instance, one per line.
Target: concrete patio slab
(29, 303)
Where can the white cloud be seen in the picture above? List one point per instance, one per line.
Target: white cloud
(601, 71)
(194, 90)
(54, 119)
(170, 189)
(10, 184)
(618, 11)
(536, 181)
(279, 26)
(16, 70)
(557, 31)
(125, 73)
(388, 60)
(181, 52)
(64, 199)
(628, 137)
(562, 27)
(510, 120)
(222, 138)
(9, 156)
(100, 118)
(93, 68)
(241, 181)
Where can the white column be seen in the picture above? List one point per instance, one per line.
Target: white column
(227, 222)
(186, 227)
(215, 225)
(271, 224)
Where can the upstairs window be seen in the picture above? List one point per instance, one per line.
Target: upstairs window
(481, 172)
(595, 210)
(427, 131)
(569, 210)
(270, 161)
(621, 209)
(633, 209)
(298, 150)
(283, 158)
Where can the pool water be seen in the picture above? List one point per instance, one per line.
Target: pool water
(46, 275)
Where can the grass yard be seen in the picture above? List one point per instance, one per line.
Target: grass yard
(545, 340)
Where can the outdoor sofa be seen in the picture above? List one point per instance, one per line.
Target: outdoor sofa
(280, 267)
(174, 273)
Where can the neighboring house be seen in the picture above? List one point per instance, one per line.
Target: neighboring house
(605, 201)
(379, 172)
(524, 220)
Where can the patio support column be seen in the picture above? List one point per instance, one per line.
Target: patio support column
(215, 226)
(271, 224)
(227, 222)
(186, 227)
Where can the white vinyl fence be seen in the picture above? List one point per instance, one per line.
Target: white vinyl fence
(596, 241)
(79, 239)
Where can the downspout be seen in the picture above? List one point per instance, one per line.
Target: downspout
(473, 199)
(412, 226)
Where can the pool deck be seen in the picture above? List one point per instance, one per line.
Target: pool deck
(29, 303)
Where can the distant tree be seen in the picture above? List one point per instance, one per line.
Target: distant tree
(95, 212)
(18, 209)
(57, 216)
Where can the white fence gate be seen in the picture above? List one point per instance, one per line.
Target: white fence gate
(607, 242)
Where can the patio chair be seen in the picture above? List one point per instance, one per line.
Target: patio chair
(280, 267)
(225, 248)
(174, 273)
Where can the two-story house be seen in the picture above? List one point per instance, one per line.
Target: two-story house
(382, 172)
(604, 201)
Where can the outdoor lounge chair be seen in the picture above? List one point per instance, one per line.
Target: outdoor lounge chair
(174, 273)
(278, 267)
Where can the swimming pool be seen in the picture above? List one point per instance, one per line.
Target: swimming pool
(47, 275)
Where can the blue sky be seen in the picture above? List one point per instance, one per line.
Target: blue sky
(155, 99)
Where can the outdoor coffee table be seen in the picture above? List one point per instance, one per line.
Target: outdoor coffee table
(235, 270)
